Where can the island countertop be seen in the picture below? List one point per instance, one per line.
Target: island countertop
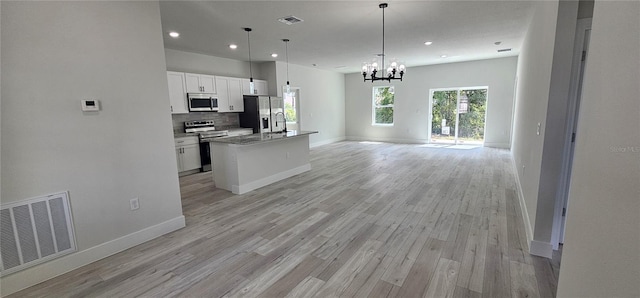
(257, 138)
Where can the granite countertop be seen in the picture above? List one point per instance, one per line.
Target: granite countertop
(184, 135)
(195, 134)
(262, 137)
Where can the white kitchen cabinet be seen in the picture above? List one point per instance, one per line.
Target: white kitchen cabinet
(177, 93)
(188, 153)
(260, 87)
(229, 95)
(200, 83)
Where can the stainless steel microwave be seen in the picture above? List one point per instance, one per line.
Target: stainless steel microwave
(202, 102)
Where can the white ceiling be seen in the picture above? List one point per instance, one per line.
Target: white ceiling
(341, 35)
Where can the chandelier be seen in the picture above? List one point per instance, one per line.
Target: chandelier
(372, 69)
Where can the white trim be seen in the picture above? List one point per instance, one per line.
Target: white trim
(373, 105)
(326, 142)
(523, 206)
(247, 187)
(562, 193)
(541, 249)
(32, 276)
(498, 145)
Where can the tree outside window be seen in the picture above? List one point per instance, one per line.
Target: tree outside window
(383, 100)
(290, 108)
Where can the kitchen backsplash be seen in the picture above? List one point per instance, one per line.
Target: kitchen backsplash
(221, 120)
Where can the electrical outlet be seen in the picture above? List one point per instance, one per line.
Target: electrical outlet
(522, 170)
(134, 203)
(538, 131)
(287, 156)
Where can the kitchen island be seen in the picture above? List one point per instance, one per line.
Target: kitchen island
(244, 163)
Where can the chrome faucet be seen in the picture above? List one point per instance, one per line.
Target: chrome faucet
(283, 117)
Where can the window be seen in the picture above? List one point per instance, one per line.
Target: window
(383, 99)
(290, 106)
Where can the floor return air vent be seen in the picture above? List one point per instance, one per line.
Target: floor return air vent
(34, 231)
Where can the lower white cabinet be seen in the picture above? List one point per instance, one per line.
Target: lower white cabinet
(188, 153)
(229, 94)
(177, 92)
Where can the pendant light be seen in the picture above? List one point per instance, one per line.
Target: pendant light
(373, 68)
(286, 45)
(251, 85)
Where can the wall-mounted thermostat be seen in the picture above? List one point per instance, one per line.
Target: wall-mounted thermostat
(90, 105)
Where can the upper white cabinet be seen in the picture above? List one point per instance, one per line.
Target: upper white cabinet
(229, 94)
(200, 83)
(260, 87)
(177, 94)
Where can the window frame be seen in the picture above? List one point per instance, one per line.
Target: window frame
(374, 106)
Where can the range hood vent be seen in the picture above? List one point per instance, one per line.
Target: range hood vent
(290, 20)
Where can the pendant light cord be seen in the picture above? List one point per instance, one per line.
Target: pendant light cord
(286, 48)
(382, 66)
(249, 43)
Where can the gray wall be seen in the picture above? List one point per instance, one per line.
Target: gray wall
(411, 111)
(600, 255)
(53, 55)
(321, 100)
(204, 64)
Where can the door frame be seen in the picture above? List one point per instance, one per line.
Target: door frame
(430, 108)
(577, 70)
(296, 90)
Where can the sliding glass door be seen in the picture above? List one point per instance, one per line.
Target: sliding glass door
(458, 115)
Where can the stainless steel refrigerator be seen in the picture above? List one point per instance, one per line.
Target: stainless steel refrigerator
(263, 114)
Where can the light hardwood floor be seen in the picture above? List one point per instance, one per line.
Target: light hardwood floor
(369, 220)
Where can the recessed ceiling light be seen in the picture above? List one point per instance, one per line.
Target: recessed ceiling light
(274, 55)
(233, 46)
(174, 34)
(428, 43)
(443, 56)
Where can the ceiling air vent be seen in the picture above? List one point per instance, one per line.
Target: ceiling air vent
(504, 50)
(290, 20)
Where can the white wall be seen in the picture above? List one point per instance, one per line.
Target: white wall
(53, 55)
(556, 122)
(321, 100)
(411, 111)
(198, 63)
(602, 244)
(534, 76)
(544, 75)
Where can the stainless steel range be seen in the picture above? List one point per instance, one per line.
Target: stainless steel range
(206, 131)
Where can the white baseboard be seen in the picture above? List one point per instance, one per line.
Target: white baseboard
(497, 145)
(247, 187)
(541, 249)
(23, 279)
(388, 140)
(325, 142)
(523, 206)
